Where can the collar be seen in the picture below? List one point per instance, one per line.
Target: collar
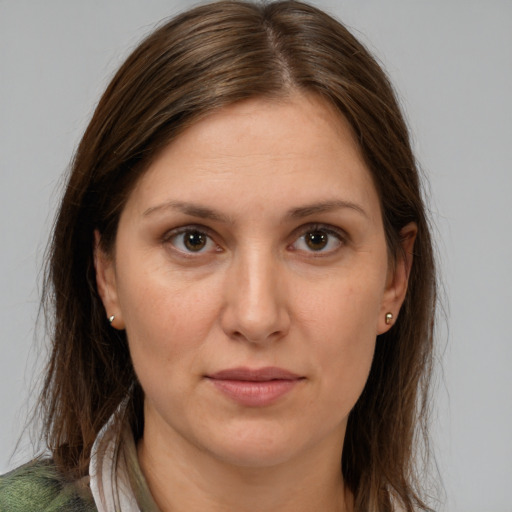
(116, 480)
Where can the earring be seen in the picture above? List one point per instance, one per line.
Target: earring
(111, 319)
(389, 317)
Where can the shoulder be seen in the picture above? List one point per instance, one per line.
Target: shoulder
(39, 486)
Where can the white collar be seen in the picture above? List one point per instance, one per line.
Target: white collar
(116, 480)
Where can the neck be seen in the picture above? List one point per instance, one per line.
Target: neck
(185, 481)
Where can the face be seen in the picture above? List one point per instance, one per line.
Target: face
(251, 274)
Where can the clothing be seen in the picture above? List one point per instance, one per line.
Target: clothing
(37, 486)
(115, 482)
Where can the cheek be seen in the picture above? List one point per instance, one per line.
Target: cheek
(343, 322)
(167, 321)
(344, 305)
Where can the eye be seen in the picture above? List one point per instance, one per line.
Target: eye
(318, 239)
(190, 240)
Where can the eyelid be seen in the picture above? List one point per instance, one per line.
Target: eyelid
(331, 230)
(199, 228)
(297, 233)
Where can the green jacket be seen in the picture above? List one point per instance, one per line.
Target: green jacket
(39, 487)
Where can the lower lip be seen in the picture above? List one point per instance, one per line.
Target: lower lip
(254, 394)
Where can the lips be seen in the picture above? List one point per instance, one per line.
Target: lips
(256, 375)
(255, 387)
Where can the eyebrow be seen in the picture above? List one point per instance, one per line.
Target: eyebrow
(203, 212)
(191, 209)
(326, 206)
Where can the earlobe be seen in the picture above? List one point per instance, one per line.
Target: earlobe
(106, 283)
(398, 279)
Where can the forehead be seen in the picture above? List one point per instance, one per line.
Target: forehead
(296, 125)
(263, 150)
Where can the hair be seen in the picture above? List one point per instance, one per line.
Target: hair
(204, 59)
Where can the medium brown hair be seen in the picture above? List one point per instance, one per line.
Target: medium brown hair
(204, 59)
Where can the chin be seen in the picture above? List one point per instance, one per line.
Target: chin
(256, 446)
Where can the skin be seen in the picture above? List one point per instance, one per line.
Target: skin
(254, 295)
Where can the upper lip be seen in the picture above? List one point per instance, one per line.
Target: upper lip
(254, 375)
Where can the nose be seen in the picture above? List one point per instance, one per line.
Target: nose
(255, 302)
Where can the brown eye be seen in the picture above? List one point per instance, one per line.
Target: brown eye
(316, 240)
(194, 240)
(191, 241)
(321, 240)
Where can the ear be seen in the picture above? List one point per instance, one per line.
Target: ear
(106, 283)
(398, 278)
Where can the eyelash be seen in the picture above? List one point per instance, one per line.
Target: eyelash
(299, 235)
(325, 229)
(191, 229)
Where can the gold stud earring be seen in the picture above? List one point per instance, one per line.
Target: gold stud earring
(111, 319)
(389, 317)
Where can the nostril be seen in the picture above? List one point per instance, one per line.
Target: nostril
(257, 337)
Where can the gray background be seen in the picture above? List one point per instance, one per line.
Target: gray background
(451, 62)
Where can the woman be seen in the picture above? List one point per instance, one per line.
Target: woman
(239, 322)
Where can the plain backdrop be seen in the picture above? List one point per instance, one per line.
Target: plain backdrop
(451, 62)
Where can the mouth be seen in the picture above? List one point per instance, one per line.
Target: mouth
(255, 387)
